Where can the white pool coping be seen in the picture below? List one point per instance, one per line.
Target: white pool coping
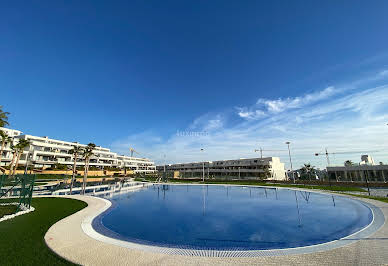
(22, 212)
(377, 221)
(75, 239)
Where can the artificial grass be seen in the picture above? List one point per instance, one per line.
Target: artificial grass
(22, 238)
(371, 197)
(329, 188)
(40, 183)
(260, 183)
(7, 209)
(50, 176)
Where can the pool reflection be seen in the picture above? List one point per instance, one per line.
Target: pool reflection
(225, 217)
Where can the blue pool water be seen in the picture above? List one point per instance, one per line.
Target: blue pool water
(230, 217)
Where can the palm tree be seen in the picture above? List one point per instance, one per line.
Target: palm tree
(75, 151)
(88, 152)
(14, 155)
(23, 143)
(4, 139)
(308, 169)
(3, 117)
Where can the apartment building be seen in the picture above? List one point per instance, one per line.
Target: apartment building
(253, 168)
(365, 169)
(45, 152)
(138, 165)
(7, 152)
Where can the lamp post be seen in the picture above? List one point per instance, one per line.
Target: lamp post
(203, 169)
(289, 154)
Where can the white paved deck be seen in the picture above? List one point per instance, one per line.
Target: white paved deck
(68, 240)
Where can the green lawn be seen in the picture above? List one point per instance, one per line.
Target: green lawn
(329, 188)
(40, 183)
(371, 197)
(50, 176)
(260, 183)
(7, 209)
(22, 238)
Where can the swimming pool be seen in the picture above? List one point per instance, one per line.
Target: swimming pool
(230, 217)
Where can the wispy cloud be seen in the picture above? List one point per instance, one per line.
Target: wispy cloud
(340, 119)
(383, 73)
(207, 122)
(265, 107)
(250, 115)
(280, 105)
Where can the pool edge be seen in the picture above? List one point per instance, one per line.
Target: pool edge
(377, 222)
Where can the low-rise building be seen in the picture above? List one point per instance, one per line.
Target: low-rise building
(253, 168)
(44, 152)
(366, 169)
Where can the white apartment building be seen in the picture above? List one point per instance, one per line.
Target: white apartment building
(252, 168)
(138, 165)
(45, 152)
(7, 153)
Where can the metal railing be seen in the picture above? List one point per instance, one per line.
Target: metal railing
(19, 187)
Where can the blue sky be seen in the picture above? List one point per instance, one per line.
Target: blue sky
(244, 74)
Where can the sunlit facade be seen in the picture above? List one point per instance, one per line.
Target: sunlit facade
(44, 153)
(253, 168)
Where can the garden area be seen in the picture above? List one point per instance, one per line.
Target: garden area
(22, 238)
(7, 210)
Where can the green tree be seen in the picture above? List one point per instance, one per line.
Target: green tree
(88, 152)
(3, 117)
(348, 163)
(307, 170)
(75, 151)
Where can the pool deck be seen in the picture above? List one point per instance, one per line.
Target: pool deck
(68, 239)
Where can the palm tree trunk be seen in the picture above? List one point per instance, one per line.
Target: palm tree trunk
(74, 169)
(17, 163)
(11, 163)
(2, 149)
(85, 175)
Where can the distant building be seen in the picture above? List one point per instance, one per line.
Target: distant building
(45, 153)
(254, 168)
(367, 160)
(11, 132)
(359, 172)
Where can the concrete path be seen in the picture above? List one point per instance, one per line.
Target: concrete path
(67, 239)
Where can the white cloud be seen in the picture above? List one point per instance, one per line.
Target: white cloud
(213, 124)
(280, 105)
(353, 120)
(383, 73)
(207, 122)
(251, 115)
